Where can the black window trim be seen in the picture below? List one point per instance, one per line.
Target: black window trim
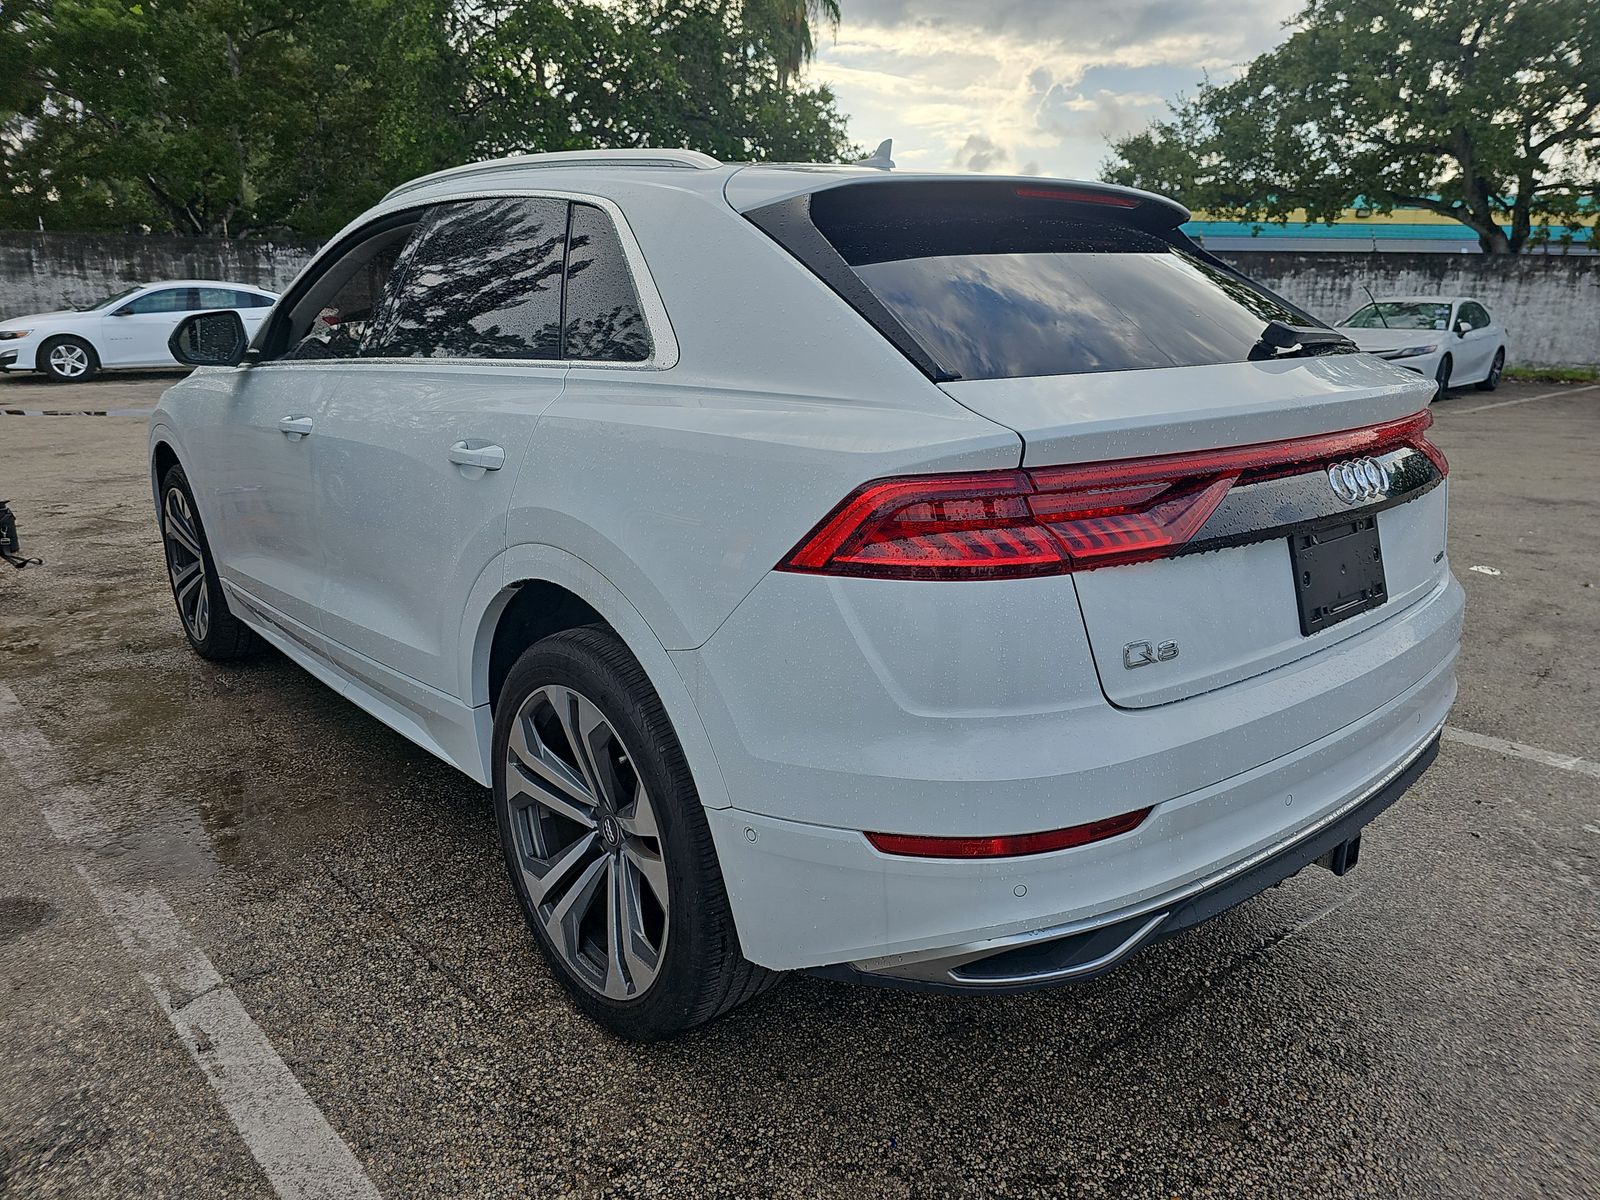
(663, 342)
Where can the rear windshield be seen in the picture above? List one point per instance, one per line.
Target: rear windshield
(1031, 291)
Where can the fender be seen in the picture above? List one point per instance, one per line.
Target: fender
(161, 433)
(537, 562)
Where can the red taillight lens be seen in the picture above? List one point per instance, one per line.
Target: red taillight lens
(1011, 845)
(1045, 521)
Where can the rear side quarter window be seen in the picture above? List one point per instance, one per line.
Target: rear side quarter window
(604, 320)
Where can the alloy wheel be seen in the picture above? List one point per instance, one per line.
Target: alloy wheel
(587, 843)
(186, 565)
(69, 361)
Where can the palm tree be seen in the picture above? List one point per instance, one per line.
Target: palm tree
(786, 26)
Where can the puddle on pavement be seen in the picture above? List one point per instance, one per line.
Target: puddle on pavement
(74, 412)
(199, 771)
(21, 915)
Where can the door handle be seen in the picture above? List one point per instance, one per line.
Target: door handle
(490, 458)
(295, 427)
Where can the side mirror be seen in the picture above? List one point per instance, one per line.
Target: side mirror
(1462, 329)
(209, 339)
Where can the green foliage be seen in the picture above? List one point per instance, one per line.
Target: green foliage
(251, 116)
(1473, 109)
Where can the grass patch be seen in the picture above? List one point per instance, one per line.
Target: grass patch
(1554, 374)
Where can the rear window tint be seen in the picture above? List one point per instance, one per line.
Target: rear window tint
(996, 286)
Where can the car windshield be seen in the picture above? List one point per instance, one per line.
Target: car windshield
(1401, 314)
(108, 301)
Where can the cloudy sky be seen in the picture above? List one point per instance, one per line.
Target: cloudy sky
(1028, 86)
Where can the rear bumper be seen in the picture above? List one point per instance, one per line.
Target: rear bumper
(840, 721)
(807, 895)
(1075, 952)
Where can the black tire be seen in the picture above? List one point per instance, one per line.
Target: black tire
(1492, 381)
(221, 635)
(78, 351)
(700, 972)
(1442, 377)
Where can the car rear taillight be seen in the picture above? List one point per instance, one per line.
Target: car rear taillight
(1050, 520)
(1008, 845)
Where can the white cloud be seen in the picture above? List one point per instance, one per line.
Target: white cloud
(1041, 83)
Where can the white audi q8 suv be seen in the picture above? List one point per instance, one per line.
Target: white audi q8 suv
(938, 581)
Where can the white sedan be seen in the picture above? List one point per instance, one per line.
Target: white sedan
(1453, 339)
(129, 329)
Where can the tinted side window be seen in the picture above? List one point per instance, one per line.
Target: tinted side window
(342, 319)
(604, 321)
(482, 280)
(1475, 315)
(167, 300)
(229, 298)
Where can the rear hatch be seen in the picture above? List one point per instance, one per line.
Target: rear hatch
(1236, 487)
(1226, 605)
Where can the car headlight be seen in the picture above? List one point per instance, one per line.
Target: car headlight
(11, 335)
(1413, 351)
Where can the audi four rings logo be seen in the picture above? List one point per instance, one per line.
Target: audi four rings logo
(1360, 480)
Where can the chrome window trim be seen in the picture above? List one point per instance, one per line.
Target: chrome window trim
(663, 341)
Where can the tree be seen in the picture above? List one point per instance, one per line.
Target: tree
(223, 116)
(1472, 109)
(234, 117)
(784, 29)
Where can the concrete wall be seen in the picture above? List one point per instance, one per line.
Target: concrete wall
(41, 272)
(1549, 305)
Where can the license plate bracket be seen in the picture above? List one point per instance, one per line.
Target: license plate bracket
(1338, 571)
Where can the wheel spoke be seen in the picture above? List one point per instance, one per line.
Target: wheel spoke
(181, 534)
(617, 982)
(188, 596)
(649, 867)
(641, 959)
(567, 914)
(545, 879)
(544, 779)
(581, 722)
(182, 575)
(640, 819)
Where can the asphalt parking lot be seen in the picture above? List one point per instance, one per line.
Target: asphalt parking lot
(174, 833)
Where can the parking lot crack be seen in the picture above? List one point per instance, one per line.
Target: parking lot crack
(466, 990)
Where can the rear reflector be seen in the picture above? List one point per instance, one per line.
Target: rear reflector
(1051, 520)
(1010, 846)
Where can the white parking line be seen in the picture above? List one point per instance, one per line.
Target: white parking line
(1563, 762)
(1571, 391)
(300, 1153)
